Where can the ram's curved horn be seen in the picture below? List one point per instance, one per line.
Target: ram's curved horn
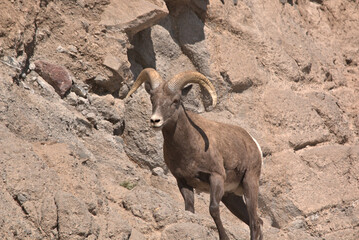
(147, 74)
(180, 80)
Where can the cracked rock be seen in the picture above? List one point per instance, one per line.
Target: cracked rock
(48, 218)
(74, 220)
(151, 204)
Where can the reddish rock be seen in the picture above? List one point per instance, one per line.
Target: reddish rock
(57, 76)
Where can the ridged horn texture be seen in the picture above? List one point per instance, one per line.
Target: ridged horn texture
(182, 79)
(147, 74)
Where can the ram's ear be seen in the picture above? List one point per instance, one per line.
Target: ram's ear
(186, 90)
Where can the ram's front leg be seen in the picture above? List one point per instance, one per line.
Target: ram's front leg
(216, 182)
(187, 194)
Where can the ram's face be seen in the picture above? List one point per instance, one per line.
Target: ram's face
(164, 106)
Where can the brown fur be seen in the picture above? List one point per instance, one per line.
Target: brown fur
(230, 154)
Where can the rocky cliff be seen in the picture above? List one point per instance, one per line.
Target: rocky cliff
(77, 162)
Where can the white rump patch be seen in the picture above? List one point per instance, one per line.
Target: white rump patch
(259, 147)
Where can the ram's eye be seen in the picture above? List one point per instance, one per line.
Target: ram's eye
(175, 102)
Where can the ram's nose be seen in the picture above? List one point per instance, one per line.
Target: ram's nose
(156, 121)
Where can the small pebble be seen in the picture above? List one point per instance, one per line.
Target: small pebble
(158, 171)
(60, 49)
(72, 48)
(32, 66)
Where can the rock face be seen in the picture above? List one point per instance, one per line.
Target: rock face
(86, 165)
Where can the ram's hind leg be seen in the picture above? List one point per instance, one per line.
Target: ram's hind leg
(236, 205)
(251, 188)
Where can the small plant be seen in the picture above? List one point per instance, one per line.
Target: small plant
(128, 185)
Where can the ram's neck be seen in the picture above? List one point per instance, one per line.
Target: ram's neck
(183, 133)
(179, 129)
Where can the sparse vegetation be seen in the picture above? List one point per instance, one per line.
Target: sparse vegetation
(127, 184)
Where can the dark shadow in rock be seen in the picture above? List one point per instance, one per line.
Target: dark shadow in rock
(198, 6)
(185, 25)
(189, 29)
(142, 55)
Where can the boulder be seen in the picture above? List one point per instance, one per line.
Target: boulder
(57, 76)
(133, 16)
(111, 62)
(110, 108)
(119, 73)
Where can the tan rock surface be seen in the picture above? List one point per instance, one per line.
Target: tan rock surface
(88, 166)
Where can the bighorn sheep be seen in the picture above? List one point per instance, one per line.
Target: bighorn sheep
(209, 156)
